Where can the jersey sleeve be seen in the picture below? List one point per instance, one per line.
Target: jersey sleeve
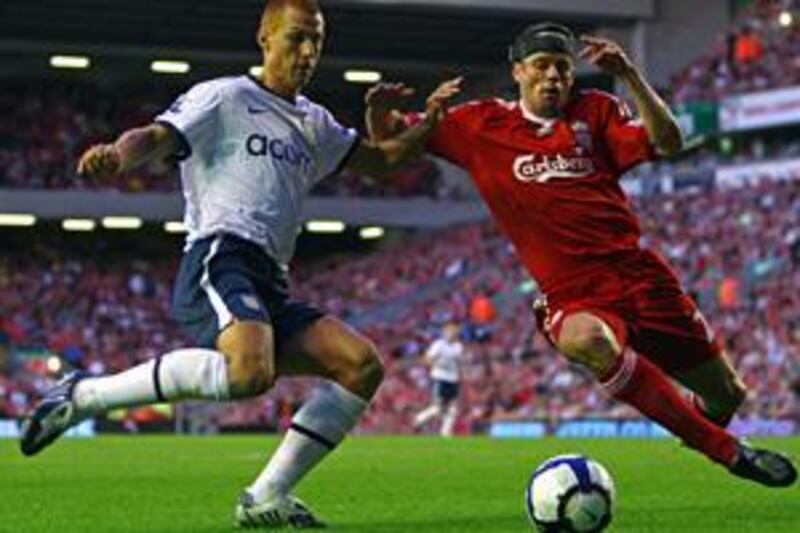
(452, 137)
(626, 137)
(194, 118)
(335, 143)
(434, 349)
(461, 352)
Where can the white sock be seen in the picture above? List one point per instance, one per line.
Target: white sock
(448, 421)
(316, 429)
(192, 373)
(427, 414)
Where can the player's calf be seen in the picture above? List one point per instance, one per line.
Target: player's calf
(249, 375)
(720, 411)
(316, 429)
(718, 390)
(427, 414)
(329, 349)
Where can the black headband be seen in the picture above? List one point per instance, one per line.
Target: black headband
(548, 37)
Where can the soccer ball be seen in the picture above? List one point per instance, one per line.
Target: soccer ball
(570, 494)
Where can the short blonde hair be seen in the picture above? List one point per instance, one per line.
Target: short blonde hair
(272, 8)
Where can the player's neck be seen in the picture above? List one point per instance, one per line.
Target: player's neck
(539, 116)
(277, 88)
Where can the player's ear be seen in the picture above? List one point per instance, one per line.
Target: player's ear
(571, 80)
(516, 71)
(262, 37)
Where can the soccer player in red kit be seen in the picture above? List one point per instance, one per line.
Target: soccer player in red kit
(548, 166)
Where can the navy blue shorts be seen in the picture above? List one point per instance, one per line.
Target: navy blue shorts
(445, 391)
(224, 277)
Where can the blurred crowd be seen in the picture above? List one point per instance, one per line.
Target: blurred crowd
(106, 307)
(738, 252)
(760, 52)
(45, 129)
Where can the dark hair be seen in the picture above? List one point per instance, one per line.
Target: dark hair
(543, 37)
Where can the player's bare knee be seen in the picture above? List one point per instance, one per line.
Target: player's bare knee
(248, 349)
(592, 347)
(598, 362)
(361, 371)
(368, 369)
(250, 373)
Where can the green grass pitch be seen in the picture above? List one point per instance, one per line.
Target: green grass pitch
(372, 485)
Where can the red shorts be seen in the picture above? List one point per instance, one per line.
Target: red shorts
(640, 298)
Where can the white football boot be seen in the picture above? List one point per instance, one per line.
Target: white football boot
(276, 513)
(52, 417)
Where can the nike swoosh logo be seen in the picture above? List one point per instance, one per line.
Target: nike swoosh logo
(256, 110)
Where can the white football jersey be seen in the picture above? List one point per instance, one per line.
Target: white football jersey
(250, 158)
(446, 357)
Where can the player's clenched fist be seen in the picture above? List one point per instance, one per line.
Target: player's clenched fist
(101, 160)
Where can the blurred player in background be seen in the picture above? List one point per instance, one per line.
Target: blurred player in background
(444, 357)
(250, 151)
(548, 166)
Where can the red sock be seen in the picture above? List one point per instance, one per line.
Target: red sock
(641, 384)
(721, 420)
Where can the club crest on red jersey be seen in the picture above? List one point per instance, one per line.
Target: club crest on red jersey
(583, 136)
(542, 168)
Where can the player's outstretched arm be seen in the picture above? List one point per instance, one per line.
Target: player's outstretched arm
(430, 357)
(661, 125)
(383, 117)
(380, 156)
(132, 149)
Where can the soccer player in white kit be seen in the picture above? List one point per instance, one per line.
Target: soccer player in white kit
(444, 356)
(251, 149)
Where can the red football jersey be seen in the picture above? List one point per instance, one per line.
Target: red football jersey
(553, 186)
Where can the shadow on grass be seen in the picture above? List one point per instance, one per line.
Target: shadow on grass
(472, 524)
(477, 524)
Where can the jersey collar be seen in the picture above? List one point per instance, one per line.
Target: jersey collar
(547, 123)
(260, 84)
